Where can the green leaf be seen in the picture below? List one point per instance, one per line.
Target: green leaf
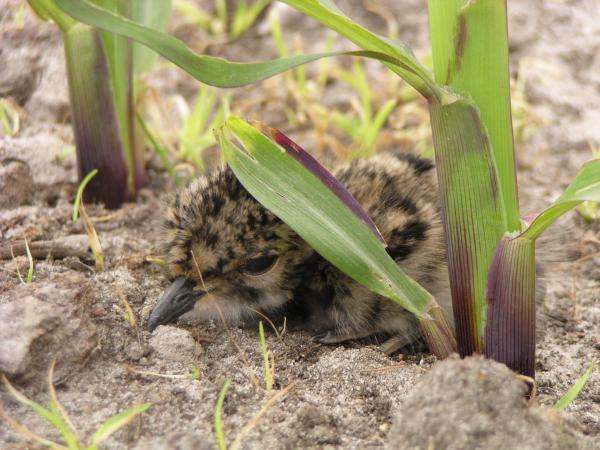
(574, 391)
(585, 187)
(207, 69)
(116, 422)
(317, 214)
(220, 72)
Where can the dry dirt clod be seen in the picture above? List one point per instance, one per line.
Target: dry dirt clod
(476, 403)
(173, 344)
(39, 321)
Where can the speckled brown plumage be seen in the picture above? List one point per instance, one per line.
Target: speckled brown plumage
(223, 241)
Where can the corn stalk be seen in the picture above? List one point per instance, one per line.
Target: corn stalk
(479, 204)
(101, 71)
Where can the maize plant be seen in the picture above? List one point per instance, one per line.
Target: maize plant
(103, 72)
(491, 250)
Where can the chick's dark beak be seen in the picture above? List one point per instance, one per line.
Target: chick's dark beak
(178, 299)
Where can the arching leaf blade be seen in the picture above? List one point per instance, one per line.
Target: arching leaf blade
(218, 71)
(585, 187)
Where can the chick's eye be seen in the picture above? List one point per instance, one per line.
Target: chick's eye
(260, 265)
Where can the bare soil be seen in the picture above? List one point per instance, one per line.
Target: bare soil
(345, 396)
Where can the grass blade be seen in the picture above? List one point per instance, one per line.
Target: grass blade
(265, 353)
(51, 416)
(21, 429)
(69, 429)
(585, 187)
(80, 190)
(29, 278)
(9, 118)
(92, 238)
(220, 435)
(574, 391)
(326, 12)
(245, 16)
(116, 422)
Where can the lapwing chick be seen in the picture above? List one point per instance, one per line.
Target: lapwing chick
(229, 257)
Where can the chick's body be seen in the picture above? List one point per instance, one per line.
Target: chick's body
(223, 242)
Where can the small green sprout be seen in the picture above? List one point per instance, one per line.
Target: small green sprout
(220, 435)
(30, 259)
(574, 391)
(87, 222)
(195, 14)
(9, 118)
(64, 153)
(218, 24)
(92, 238)
(589, 211)
(181, 147)
(363, 126)
(80, 190)
(196, 133)
(56, 415)
(245, 15)
(29, 278)
(19, 18)
(128, 314)
(295, 79)
(268, 359)
(195, 373)
(160, 262)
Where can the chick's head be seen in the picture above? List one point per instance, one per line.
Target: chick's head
(226, 254)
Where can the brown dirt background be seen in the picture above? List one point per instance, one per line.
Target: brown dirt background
(344, 396)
